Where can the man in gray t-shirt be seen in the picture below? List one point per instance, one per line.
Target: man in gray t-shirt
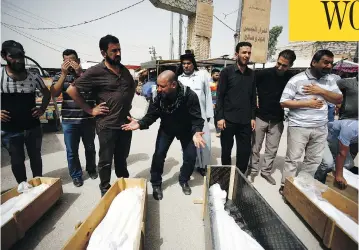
(307, 95)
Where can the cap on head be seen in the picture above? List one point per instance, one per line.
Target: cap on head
(188, 55)
(12, 47)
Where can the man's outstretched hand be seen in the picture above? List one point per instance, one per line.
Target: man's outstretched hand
(133, 125)
(198, 140)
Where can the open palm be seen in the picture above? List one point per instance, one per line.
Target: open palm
(133, 125)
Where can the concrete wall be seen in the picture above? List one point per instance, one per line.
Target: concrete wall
(306, 50)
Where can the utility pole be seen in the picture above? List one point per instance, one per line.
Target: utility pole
(180, 36)
(238, 24)
(171, 37)
(153, 53)
(356, 53)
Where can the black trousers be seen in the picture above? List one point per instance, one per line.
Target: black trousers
(163, 143)
(114, 144)
(14, 143)
(242, 133)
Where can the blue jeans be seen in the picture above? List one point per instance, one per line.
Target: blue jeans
(14, 143)
(328, 163)
(163, 143)
(72, 135)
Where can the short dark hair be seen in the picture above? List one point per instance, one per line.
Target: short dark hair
(289, 55)
(215, 71)
(243, 44)
(68, 52)
(106, 40)
(319, 54)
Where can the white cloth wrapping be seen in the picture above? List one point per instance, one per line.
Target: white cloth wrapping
(119, 228)
(352, 179)
(227, 234)
(139, 107)
(19, 202)
(305, 183)
(199, 83)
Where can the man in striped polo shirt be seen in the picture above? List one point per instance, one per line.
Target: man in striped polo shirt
(76, 123)
(307, 95)
(20, 122)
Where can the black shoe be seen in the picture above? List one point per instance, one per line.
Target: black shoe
(93, 175)
(202, 171)
(281, 190)
(78, 182)
(185, 188)
(157, 192)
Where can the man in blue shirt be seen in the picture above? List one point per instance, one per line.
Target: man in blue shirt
(341, 134)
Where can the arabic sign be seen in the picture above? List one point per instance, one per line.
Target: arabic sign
(204, 20)
(255, 27)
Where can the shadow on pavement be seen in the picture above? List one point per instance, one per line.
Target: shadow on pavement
(63, 174)
(47, 223)
(133, 158)
(153, 239)
(169, 164)
(50, 144)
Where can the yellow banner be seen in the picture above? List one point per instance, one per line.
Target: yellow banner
(318, 20)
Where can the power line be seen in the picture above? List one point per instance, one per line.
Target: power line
(35, 24)
(225, 15)
(82, 23)
(19, 10)
(47, 41)
(224, 23)
(31, 39)
(35, 16)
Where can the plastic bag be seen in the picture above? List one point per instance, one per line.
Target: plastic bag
(309, 185)
(139, 107)
(23, 187)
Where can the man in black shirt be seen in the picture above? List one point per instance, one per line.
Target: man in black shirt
(114, 88)
(180, 113)
(269, 121)
(76, 123)
(235, 108)
(20, 124)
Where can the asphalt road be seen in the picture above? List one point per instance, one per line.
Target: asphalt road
(173, 223)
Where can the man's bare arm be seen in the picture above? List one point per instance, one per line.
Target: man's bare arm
(56, 89)
(293, 104)
(73, 92)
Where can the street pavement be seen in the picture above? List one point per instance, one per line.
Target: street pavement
(173, 223)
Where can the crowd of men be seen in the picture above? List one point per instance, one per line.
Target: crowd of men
(244, 104)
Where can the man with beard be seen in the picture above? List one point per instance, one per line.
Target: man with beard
(307, 95)
(76, 123)
(213, 84)
(269, 114)
(235, 108)
(113, 88)
(180, 112)
(190, 76)
(20, 122)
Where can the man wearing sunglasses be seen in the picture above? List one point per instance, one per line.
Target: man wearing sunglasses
(269, 114)
(20, 122)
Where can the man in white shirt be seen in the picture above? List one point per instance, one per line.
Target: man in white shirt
(190, 76)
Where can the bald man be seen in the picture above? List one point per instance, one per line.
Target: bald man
(178, 108)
